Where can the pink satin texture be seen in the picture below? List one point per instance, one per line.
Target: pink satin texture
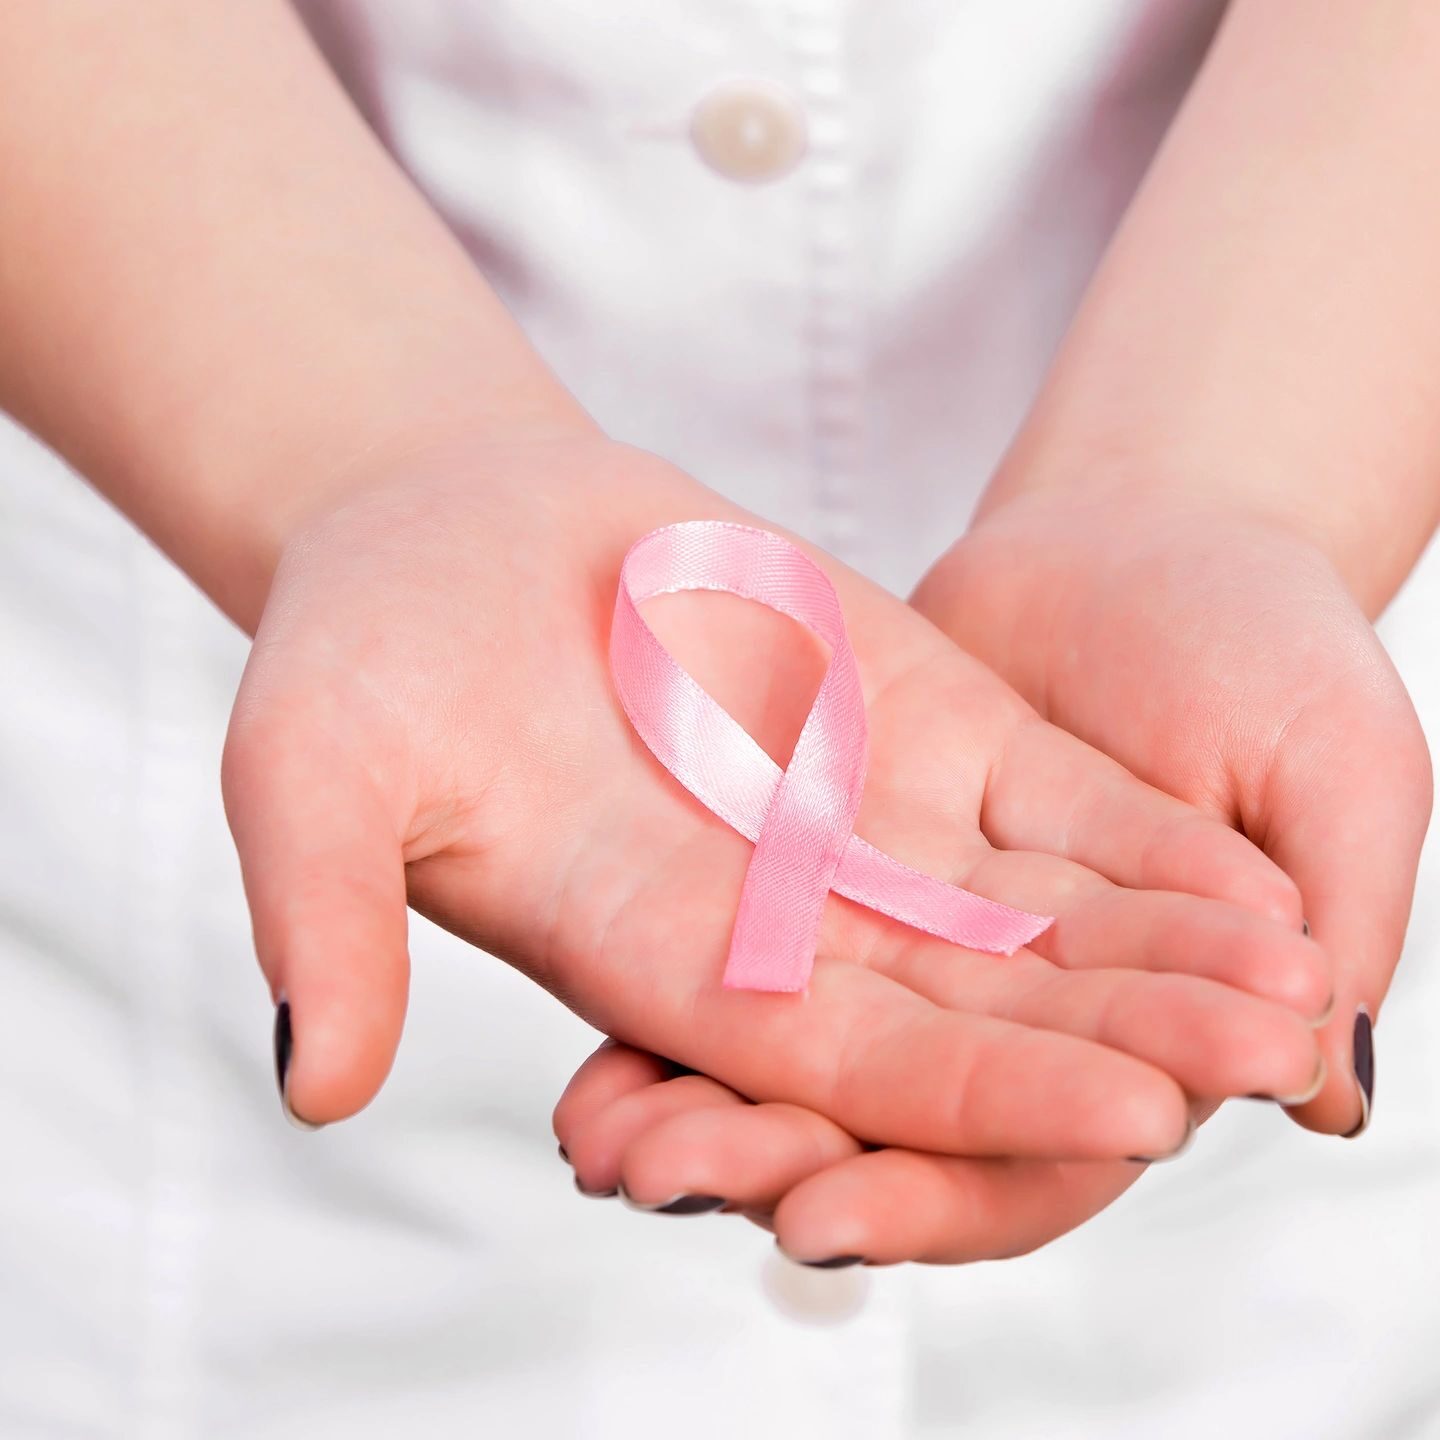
(801, 819)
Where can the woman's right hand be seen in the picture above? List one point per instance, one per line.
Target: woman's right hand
(427, 715)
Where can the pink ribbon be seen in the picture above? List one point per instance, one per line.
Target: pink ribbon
(801, 819)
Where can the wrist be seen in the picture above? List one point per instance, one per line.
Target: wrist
(261, 495)
(1127, 472)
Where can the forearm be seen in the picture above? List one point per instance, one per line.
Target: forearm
(217, 293)
(1265, 330)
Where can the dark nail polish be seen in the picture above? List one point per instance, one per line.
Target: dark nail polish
(692, 1205)
(563, 1153)
(595, 1194)
(284, 1049)
(1175, 1154)
(1364, 1061)
(836, 1262)
(679, 1205)
(1305, 928)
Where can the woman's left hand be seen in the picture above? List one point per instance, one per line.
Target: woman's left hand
(1218, 658)
(668, 1140)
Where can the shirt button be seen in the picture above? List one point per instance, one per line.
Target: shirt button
(816, 1297)
(749, 130)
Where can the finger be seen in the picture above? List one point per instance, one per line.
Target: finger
(325, 880)
(893, 1068)
(1354, 856)
(597, 1147)
(1216, 1042)
(610, 1072)
(895, 1205)
(1098, 924)
(1051, 792)
(884, 1063)
(749, 1155)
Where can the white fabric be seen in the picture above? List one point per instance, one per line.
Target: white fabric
(845, 350)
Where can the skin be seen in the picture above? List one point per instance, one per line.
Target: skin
(427, 714)
(1230, 469)
(354, 451)
(1297, 750)
(179, 284)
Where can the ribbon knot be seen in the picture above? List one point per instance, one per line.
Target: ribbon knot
(801, 820)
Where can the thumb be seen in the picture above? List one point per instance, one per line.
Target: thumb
(1346, 813)
(325, 879)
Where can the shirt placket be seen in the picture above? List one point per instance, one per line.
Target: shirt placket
(835, 325)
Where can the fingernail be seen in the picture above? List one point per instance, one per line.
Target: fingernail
(563, 1153)
(595, 1194)
(1321, 1020)
(1175, 1154)
(1306, 1096)
(835, 1262)
(1364, 1062)
(678, 1205)
(1305, 927)
(284, 1049)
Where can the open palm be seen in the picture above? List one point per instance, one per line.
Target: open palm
(427, 715)
(1222, 659)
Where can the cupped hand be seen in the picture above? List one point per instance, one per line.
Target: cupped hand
(1220, 657)
(427, 715)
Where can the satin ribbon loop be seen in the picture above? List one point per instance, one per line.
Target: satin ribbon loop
(801, 820)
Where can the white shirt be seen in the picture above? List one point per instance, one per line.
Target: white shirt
(818, 253)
